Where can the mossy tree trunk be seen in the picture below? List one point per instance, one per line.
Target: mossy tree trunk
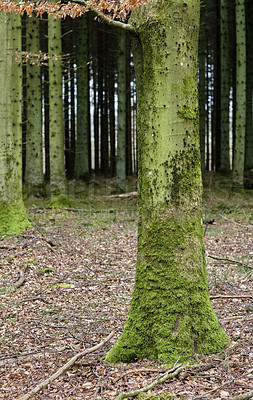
(56, 123)
(12, 211)
(170, 314)
(240, 123)
(121, 128)
(82, 142)
(34, 178)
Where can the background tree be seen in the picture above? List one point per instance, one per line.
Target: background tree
(56, 137)
(34, 177)
(238, 167)
(12, 211)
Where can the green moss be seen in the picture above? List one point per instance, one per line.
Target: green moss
(188, 113)
(59, 201)
(159, 396)
(13, 218)
(170, 314)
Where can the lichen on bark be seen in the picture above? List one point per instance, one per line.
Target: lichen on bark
(170, 313)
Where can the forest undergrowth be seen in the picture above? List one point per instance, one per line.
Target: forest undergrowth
(66, 284)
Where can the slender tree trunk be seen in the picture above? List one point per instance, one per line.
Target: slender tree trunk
(249, 90)
(56, 124)
(225, 88)
(34, 177)
(202, 84)
(239, 154)
(170, 313)
(12, 211)
(121, 132)
(83, 129)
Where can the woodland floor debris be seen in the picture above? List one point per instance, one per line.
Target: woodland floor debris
(77, 291)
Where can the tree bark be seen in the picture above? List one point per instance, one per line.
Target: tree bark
(239, 154)
(34, 177)
(121, 128)
(83, 129)
(56, 124)
(170, 313)
(12, 210)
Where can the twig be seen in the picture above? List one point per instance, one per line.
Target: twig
(21, 280)
(136, 371)
(249, 296)
(33, 299)
(244, 396)
(221, 386)
(64, 368)
(163, 378)
(230, 260)
(234, 222)
(123, 195)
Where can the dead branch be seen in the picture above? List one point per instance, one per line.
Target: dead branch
(224, 384)
(162, 379)
(220, 296)
(137, 371)
(234, 222)
(21, 280)
(230, 260)
(64, 368)
(123, 195)
(244, 396)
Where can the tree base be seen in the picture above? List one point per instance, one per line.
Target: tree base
(13, 218)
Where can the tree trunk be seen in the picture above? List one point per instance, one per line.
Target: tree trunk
(34, 177)
(12, 211)
(239, 155)
(202, 84)
(56, 124)
(170, 313)
(83, 129)
(249, 92)
(121, 131)
(225, 88)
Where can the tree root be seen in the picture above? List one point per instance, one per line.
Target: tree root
(64, 368)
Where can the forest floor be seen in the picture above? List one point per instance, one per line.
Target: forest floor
(66, 284)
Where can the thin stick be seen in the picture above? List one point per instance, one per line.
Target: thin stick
(249, 296)
(244, 396)
(64, 368)
(163, 378)
(230, 260)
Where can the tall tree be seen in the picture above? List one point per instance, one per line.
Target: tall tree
(239, 151)
(249, 89)
(56, 124)
(121, 128)
(12, 211)
(34, 177)
(82, 141)
(170, 313)
(225, 87)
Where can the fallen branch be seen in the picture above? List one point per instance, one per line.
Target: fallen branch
(249, 296)
(21, 280)
(224, 384)
(136, 371)
(64, 368)
(163, 378)
(230, 260)
(244, 396)
(123, 195)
